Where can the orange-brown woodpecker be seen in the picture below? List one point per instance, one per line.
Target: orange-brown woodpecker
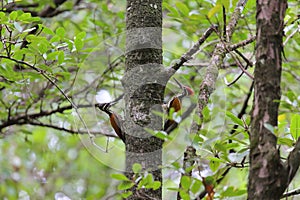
(114, 119)
(175, 102)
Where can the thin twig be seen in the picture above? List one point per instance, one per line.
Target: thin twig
(35, 123)
(249, 63)
(42, 113)
(291, 193)
(239, 64)
(183, 117)
(292, 74)
(291, 35)
(240, 75)
(224, 23)
(241, 44)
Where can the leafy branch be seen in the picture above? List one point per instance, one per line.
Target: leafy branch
(48, 11)
(208, 84)
(21, 120)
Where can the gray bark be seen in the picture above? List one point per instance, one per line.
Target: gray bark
(144, 83)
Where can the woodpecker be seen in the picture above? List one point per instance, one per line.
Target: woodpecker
(114, 119)
(175, 102)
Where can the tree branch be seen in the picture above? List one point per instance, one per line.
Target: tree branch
(48, 11)
(291, 193)
(47, 76)
(208, 84)
(235, 18)
(239, 63)
(188, 55)
(29, 119)
(35, 123)
(241, 44)
(19, 120)
(183, 117)
(266, 165)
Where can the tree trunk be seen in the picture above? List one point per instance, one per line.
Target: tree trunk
(267, 176)
(144, 83)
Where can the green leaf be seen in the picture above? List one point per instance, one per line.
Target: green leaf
(182, 8)
(220, 147)
(234, 118)
(65, 76)
(173, 11)
(126, 194)
(34, 19)
(81, 35)
(149, 178)
(214, 163)
(206, 113)
(55, 38)
(177, 165)
(214, 10)
(232, 192)
(209, 180)
(189, 169)
(184, 195)
(2, 14)
(78, 44)
(146, 181)
(125, 185)
(136, 168)
(3, 84)
(3, 18)
(285, 141)
(47, 30)
(156, 185)
(225, 3)
(13, 15)
(24, 17)
(39, 136)
(196, 186)
(52, 55)
(79, 40)
(61, 57)
(153, 185)
(215, 159)
(295, 126)
(120, 177)
(60, 32)
(31, 38)
(185, 182)
(291, 96)
(43, 46)
(159, 134)
(173, 189)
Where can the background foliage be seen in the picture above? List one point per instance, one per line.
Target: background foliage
(81, 50)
